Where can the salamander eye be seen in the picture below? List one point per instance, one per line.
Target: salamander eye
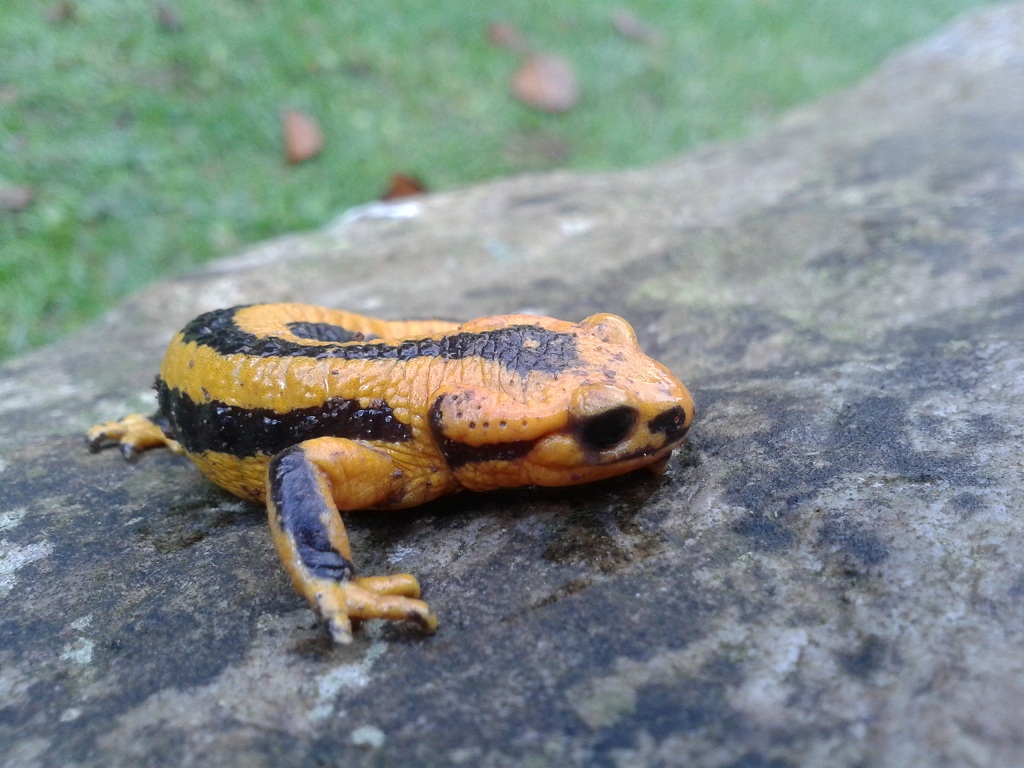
(604, 430)
(612, 329)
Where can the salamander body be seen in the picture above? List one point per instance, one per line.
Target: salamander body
(313, 410)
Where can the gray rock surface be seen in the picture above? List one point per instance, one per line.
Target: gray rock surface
(831, 573)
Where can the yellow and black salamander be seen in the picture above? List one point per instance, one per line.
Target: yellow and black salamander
(313, 410)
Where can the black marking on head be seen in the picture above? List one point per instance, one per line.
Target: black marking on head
(519, 348)
(300, 509)
(327, 332)
(216, 426)
(601, 431)
(458, 454)
(671, 422)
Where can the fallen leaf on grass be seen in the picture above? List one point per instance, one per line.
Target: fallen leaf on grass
(302, 137)
(627, 24)
(16, 198)
(63, 11)
(403, 185)
(546, 82)
(168, 19)
(506, 36)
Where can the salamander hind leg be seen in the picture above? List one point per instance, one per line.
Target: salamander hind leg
(306, 486)
(133, 434)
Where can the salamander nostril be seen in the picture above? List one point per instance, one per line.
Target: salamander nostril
(671, 423)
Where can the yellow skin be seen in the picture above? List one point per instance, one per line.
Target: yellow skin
(502, 401)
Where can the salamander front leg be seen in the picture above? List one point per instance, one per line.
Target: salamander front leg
(306, 486)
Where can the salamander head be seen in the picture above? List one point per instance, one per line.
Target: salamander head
(613, 410)
(625, 410)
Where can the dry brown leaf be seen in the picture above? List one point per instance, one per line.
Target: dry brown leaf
(403, 185)
(16, 198)
(505, 35)
(302, 137)
(63, 11)
(629, 25)
(168, 19)
(547, 82)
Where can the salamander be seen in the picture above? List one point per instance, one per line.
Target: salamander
(312, 411)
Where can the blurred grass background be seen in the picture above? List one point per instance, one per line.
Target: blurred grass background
(147, 134)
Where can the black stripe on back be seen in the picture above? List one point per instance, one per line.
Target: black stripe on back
(216, 426)
(326, 332)
(519, 348)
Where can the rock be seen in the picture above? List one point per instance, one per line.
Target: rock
(831, 572)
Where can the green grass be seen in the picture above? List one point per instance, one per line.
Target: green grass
(151, 150)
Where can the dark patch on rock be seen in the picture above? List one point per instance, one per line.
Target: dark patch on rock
(768, 534)
(852, 540)
(127, 593)
(678, 707)
(968, 503)
(187, 520)
(609, 538)
(865, 660)
(871, 431)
